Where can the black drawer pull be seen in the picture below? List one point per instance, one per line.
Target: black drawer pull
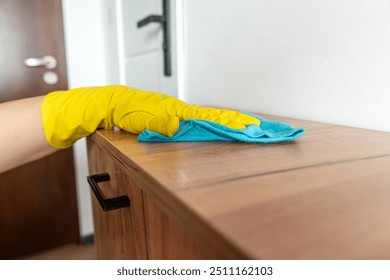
(107, 204)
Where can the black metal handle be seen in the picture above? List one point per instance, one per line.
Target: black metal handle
(164, 20)
(107, 204)
(149, 19)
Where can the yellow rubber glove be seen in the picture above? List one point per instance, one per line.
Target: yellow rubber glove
(70, 115)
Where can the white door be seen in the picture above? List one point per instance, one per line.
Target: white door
(140, 50)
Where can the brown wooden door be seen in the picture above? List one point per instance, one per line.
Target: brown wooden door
(38, 205)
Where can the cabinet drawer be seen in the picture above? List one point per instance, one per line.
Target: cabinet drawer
(141, 231)
(119, 233)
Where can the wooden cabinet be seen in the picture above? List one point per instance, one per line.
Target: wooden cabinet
(323, 196)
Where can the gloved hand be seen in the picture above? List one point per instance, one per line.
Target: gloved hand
(70, 115)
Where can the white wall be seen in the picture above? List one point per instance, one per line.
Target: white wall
(91, 61)
(321, 60)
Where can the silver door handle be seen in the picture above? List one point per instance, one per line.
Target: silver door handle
(47, 61)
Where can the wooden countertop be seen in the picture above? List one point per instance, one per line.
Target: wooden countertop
(325, 195)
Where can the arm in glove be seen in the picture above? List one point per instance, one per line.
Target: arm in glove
(70, 115)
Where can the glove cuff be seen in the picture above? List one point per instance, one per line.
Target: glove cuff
(70, 115)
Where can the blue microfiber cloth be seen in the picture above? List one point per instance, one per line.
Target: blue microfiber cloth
(194, 130)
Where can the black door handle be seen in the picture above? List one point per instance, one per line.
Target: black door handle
(149, 19)
(107, 204)
(164, 20)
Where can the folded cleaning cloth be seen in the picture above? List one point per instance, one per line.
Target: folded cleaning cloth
(194, 130)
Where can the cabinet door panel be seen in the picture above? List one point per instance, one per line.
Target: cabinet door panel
(167, 240)
(120, 233)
